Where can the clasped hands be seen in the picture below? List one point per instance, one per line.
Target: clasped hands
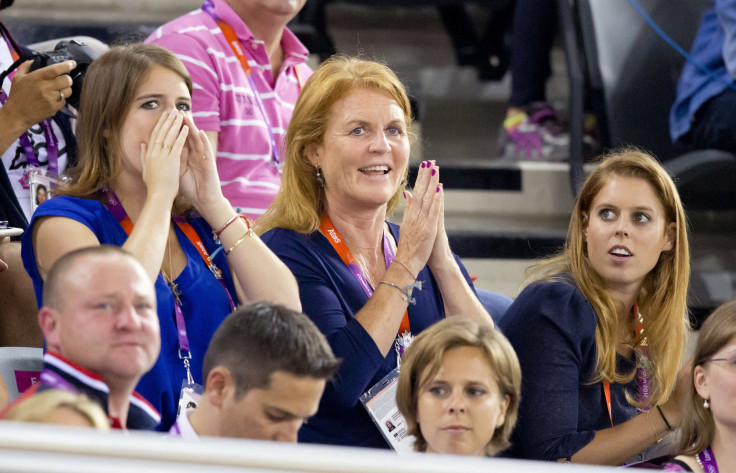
(423, 237)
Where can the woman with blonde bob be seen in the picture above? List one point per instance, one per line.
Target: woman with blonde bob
(459, 389)
(707, 432)
(147, 181)
(55, 406)
(346, 160)
(600, 329)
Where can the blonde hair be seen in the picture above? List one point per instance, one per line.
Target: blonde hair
(38, 407)
(663, 295)
(300, 201)
(697, 426)
(109, 89)
(424, 356)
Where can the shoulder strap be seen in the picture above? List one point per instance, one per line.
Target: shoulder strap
(679, 463)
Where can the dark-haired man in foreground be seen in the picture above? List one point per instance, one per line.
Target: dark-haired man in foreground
(264, 371)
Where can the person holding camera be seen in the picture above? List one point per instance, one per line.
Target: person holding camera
(33, 134)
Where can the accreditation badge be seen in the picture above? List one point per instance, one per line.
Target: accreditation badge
(380, 402)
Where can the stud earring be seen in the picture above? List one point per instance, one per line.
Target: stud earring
(706, 404)
(403, 181)
(320, 178)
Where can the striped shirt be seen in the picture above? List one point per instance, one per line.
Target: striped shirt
(223, 100)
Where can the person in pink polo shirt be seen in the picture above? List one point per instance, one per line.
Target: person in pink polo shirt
(248, 70)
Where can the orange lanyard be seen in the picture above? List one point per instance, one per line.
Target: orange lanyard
(234, 42)
(332, 235)
(638, 330)
(191, 235)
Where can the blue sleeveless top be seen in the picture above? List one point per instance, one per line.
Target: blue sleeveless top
(204, 303)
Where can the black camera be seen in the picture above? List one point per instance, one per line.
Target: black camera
(71, 50)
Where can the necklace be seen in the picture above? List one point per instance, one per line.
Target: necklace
(169, 277)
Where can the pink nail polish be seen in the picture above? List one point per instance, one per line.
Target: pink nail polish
(422, 165)
(434, 172)
(438, 188)
(404, 194)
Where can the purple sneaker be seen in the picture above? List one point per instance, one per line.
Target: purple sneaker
(536, 135)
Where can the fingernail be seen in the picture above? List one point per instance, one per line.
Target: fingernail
(434, 172)
(404, 194)
(422, 165)
(438, 188)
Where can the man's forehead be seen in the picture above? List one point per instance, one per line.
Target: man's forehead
(98, 271)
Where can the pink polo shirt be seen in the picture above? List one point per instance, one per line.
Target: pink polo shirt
(223, 100)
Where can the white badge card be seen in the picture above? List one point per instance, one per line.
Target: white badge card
(189, 397)
(42, 187)
(380, 402)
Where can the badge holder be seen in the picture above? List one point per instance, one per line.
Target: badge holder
(41, 187)
(191, 392)
(380, 402)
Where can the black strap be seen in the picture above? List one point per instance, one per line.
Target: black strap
(681, 463)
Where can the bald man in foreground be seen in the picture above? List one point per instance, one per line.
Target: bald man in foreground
(101, 329)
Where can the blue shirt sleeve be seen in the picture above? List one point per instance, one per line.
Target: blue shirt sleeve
(726, 12)
(552, 328)
(332, 312)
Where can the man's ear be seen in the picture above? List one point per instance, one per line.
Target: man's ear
(219, 385)
(670, 236)
(50, 323)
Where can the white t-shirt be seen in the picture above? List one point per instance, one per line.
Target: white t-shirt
(14, 158)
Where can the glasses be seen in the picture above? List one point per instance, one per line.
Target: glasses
(731, 361)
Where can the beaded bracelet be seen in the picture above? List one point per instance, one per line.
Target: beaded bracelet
(245, 235)
(216, 233)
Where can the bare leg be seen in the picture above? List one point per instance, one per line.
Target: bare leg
(18, 309)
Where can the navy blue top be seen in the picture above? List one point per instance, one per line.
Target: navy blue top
(331, 296)
(552, 328)
(204, 302)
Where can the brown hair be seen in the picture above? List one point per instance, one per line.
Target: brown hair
(424, 356)
(697, 426)
(259, 339)
(300, 200)
(108, 91)
(663, 295)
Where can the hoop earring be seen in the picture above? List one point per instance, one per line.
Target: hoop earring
(319, 178)
(706, 404)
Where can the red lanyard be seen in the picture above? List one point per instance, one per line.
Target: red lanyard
(642, 376)
(332, 235)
